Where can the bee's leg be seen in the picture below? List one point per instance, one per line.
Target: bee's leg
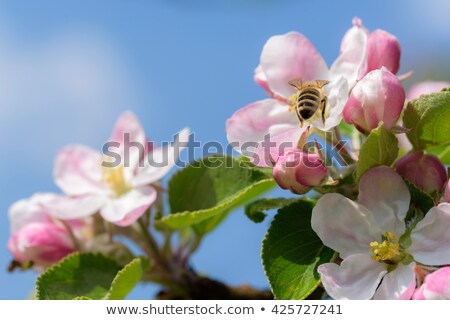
(291, 108)
(323, 104)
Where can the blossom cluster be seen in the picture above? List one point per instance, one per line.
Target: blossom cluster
(388, 249)
(48, 226)
(384, 209)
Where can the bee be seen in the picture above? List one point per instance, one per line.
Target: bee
(310, 99)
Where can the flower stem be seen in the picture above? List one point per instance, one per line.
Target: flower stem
(152, 245)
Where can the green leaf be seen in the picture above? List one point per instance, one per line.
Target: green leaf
(206, 191)
(428, 117)
(347, 129)
(420, 198)
(292, 251)
(380, 148)
(442, 152)
(88, 276)
(126, 279)
(255, 210)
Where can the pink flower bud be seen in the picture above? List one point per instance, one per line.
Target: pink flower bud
(383, 50)
(426, 87)
(379, 96)
(425, 171)
(41, 243)
(447, 192)
(299, 171)
(436, 286)
(38, 237)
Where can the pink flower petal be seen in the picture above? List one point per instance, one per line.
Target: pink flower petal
(161, 160)
(250, 125)
(431, 237)
(345, 225)
(266, 152)
(426, 87)
(435, 287)
(261, 79)
(357, 277)
(78, 171)
(77, 207)
(383, 51)
(383, 192)
(125, 210)
(27, 211)
(352, 62)
(42, 243)
(290, 56)
(398, 284)
(130, 136)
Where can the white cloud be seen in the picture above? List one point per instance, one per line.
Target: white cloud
(64, 89)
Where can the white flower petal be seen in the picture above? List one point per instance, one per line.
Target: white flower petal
(430, 239)
(126, 209)
(160, 160)
(337, 92)
(398, 284)
(344, 225)
(357, 277)
(386, 195)
(78, 171)
(69, 208)
(352, 62)
(290, 56)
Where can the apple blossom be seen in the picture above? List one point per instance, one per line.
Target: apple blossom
(293, 56)
(122, 193)
(436, 286)
(425, 171)
(299, 171)
(378, 252)
(426, 87)
(286, 57)
(447, 192)
(378, 97)
(35, 236)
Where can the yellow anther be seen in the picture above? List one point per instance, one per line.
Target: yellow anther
(388, 251)
(390, 235)
(115, 178)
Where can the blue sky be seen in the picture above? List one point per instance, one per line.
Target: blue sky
(68, 69)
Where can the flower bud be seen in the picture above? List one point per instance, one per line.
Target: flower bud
(379, 96)
(299, 171)
(436, 286)
(38, 237)
(383, 50)
(41, 243)
(425, 171)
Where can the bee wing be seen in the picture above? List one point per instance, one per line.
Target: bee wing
(297, 83)
(322, 83)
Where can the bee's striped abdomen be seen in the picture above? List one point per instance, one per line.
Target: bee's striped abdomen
(308, 102)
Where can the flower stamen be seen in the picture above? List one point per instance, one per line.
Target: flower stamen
(115, 178)
(388, 251)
